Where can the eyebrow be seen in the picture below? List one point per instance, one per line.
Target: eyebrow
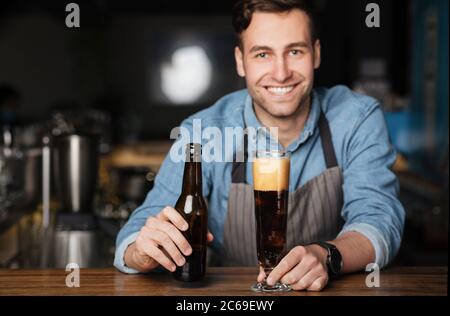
(298, 44)
(257, 48)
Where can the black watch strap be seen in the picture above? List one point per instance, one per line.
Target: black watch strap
(334, 259)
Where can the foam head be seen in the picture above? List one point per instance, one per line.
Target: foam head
(271, 174)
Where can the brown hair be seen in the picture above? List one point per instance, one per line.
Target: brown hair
(244, 9)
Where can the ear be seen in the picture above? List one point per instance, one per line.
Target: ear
(317, 55)
(239, 61)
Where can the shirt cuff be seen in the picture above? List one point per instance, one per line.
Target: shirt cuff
(376, 238)
(119, 261)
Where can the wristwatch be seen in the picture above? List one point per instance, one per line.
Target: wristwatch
(334, 259)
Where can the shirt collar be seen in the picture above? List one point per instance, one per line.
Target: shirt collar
(250, 119)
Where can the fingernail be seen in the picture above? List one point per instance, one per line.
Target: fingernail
(188, 251)
(181, 262)
(172, 268)
(269, 281)
(185, 226)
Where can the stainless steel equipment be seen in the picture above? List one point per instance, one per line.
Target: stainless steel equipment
(75, 160)
(76, 240)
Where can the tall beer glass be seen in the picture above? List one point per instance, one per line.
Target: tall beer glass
(271, 184)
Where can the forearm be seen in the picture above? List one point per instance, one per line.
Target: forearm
(356, 251)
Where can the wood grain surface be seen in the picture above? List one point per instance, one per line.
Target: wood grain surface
(233, 281)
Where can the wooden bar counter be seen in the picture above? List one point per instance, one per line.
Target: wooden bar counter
(219, 281)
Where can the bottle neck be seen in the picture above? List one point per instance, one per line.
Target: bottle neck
(192, 178)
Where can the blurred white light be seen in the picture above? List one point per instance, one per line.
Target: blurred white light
(188, 76)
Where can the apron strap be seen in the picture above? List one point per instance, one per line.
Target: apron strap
(327, 142)
(238, 174)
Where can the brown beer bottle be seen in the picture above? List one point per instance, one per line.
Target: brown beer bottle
(192, 206)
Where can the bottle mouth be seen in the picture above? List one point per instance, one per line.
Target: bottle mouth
(194, 146)
(193, 152)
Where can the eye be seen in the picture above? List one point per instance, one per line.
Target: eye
(261, 55)
(296, 52)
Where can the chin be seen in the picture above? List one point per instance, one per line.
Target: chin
(283, 114)
(280, 111)
(283, 109)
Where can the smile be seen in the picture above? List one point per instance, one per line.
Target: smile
(280, 91)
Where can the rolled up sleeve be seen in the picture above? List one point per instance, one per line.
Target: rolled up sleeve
(119, 261)
(375, 237)
(371, 204)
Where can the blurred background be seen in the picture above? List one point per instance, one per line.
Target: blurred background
(86, 113)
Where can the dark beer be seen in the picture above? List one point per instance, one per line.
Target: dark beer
(271, 215)
(271, 182)
(192, 206)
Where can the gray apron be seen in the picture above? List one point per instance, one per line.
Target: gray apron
(314, 212)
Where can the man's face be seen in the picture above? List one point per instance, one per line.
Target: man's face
(278, 61)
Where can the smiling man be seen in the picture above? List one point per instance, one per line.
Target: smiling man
(343, 212)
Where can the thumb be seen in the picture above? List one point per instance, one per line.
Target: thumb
(261, 276)
(209, 237)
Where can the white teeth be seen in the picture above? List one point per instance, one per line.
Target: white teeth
(280, 90)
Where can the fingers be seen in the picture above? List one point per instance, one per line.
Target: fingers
(139, 260)
(162, 241)
(300, 270)
(286, 264)
(318, 284)
(170, 214)
(168, 245)
(174, 234)
(156, 254)
(314, 280)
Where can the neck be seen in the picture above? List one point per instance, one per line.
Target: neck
(192, 178)
(289, 127)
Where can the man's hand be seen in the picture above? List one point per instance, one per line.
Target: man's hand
(303, 268)
(160, 242)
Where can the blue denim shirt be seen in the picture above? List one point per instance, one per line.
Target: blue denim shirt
(363, 150)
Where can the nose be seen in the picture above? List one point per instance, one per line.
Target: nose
(281, 71)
